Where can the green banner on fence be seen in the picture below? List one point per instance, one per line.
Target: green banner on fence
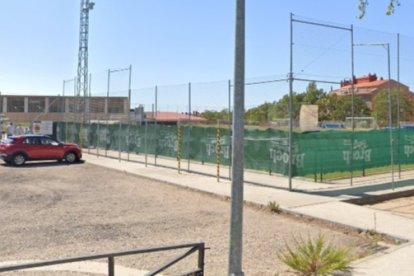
(316, 152)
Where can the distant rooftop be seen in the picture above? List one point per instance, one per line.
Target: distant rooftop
(364, 82)
(174, 117)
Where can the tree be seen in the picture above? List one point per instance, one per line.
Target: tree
(337, 108)
(380, 107)
(281, 108)
(390, 9)
(213, 116)
(260, 114)
(313, 94)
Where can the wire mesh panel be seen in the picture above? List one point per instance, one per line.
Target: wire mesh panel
(266, 103)
(315, 45)
(324, 123)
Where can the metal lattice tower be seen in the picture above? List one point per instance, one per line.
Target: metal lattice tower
(82, 77)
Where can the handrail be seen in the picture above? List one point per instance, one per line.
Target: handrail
(111, 259)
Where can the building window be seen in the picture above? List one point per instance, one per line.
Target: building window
(97, 105)
(116, 105)
(56, 104)
(36, 104)
(15, 104)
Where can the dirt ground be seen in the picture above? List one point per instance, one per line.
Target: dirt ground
(52, 210)
(402, 206)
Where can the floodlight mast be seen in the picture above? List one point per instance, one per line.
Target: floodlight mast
(82, 76)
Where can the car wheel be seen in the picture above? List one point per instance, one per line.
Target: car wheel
(18, 159)
(70, 157)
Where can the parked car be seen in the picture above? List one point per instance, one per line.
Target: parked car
(16, 150)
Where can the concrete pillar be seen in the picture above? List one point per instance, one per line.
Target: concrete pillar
(126, 107)
(87, 105)
(66, 105)
(46, 105)
(4, 104)
(26, 104)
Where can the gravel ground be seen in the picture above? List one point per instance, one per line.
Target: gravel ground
(51, 210)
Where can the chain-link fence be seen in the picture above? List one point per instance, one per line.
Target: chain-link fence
(320, 120)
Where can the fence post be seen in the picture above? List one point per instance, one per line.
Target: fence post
(89, 113)
(155, 126)
(107, 110)
(179, 147)
(189, 127)
(119, 141)
(129, 108)
(201, 251)
(218, 150)
(230, 126)
(111, 266)
(145, 142)
(98, 136)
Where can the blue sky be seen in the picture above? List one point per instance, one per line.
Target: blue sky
(175, 42)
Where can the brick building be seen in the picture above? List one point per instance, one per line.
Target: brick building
(367, 87)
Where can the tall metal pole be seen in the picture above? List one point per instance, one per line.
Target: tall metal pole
(236, 224)
(353, 106)
(75, 109)
(398, 105)
(155, 125)
(89, 109)
(290, 104)
(189, 127)
(129, 109)
(119, 140)
(387, 47)
(82, 80)
(107, 111)
(64, 105)
(390, 115)
(230, 126)
(64, 111)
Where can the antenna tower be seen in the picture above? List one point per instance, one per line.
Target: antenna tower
(82, 77)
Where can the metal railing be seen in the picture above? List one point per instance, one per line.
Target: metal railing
(193, 247)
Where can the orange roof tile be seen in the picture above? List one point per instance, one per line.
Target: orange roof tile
(373, 84)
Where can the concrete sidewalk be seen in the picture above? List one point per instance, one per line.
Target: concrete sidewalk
(317, 200)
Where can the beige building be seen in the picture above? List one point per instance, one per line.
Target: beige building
(58, 108)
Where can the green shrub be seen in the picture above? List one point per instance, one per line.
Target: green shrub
(274, 207)
(315, 256)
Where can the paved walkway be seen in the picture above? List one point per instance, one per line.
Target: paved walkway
(85, 267)
(318, 200)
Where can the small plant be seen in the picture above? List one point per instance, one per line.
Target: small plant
(274, 207)
(374, 237)
(315, 256)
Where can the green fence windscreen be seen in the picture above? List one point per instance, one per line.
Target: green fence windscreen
(267, 150)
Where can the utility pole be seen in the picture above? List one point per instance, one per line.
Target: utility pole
(237, 175)
(82, 77)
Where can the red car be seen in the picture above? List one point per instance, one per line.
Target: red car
(16, 150)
